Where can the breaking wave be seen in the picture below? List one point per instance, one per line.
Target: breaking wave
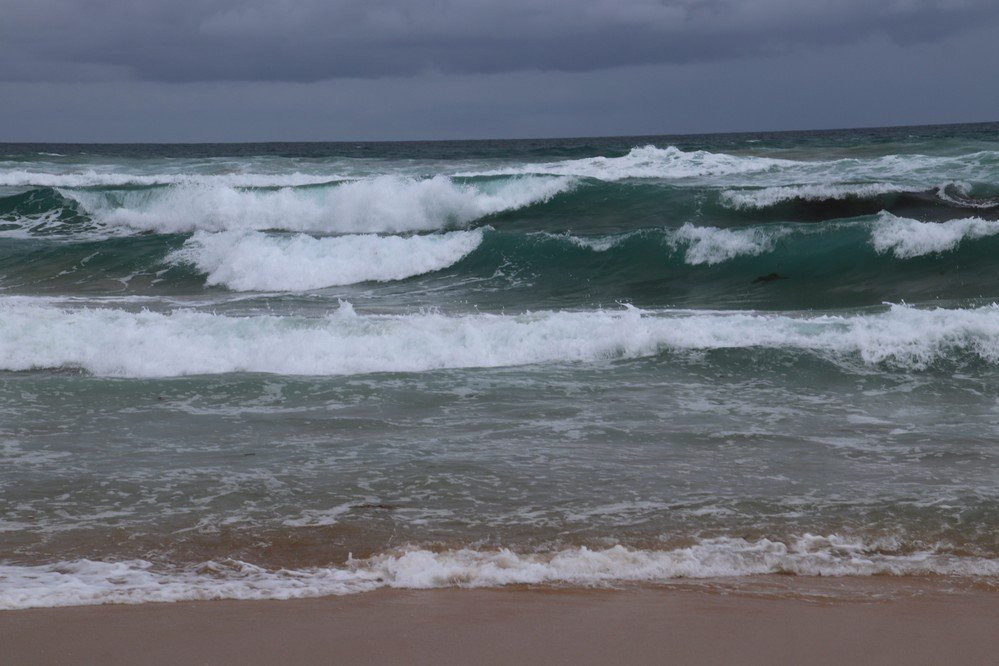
(88, 582)
(709, 245)
(770, 196)
(248, 261)
(672, 163)
(373, 205)
(647, 162)
(115, 342)
(907, 238)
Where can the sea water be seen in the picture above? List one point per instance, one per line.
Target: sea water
(284, 370)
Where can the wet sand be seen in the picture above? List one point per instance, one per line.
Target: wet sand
(638, 626)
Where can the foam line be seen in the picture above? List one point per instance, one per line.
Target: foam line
(117, 342)
(84, 582)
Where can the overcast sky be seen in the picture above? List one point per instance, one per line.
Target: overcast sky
(231, 70)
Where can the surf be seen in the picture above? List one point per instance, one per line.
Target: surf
(120, 343)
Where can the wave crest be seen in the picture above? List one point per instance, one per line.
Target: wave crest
(771, 196)
(907, 238)
(647, 162)
(254, 261)
(147, 344)
(710, 245)
(380, 204)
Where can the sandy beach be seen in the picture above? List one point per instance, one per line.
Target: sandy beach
(637, 626)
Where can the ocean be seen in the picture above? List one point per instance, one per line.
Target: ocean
(259, 371)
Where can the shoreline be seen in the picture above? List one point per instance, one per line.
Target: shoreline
(878, 622)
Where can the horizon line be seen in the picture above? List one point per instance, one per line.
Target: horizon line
(494, 139)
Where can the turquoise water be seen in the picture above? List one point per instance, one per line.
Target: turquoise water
(295, 369)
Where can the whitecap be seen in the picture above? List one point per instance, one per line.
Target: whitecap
(907, 238)
(114, 342)
(255, 261)
(711, 245)
(381, 204)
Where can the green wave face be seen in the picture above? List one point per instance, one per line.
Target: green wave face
(850, 263)
(771, 222)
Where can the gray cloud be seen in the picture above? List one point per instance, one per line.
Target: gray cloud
(312, 40)
(872, 82)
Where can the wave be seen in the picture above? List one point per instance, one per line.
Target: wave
(380, 204)
(640, 162)
(769, 196)
(710, 245)
(832, 201)
(907, 238)
(114, 342)
(845, 264)
(88, 582)
(699, 245)
(646, 162)
(672, 163)
(253, 261)
(520, 202)
(39, 212)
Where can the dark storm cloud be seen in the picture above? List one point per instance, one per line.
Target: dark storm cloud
(310, 40)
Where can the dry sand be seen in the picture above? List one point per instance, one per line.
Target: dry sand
(518, 626)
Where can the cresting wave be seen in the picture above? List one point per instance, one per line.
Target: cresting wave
(700, 245)
(779, 178)
(903, 237)
(671, 163)
(709, 245)
(255, 261)
(647, 162)
(86, 582)
(837, 255)
(770, 196)
(248, 261)
(581, 198)
(373, 205)
(114, 342)
(825, 202)
(907, 238)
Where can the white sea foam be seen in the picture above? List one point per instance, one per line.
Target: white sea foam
(964, 197)
(770, 196)
(908, 238)
(671, 163)
(116, 342)
(380, 204)
(701, 245)
(649, 162)
(711, 245)
(595, 243)
(254, 261)
(319, 517)
(86, 582)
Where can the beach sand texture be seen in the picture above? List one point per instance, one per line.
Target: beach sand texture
(643, 626)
